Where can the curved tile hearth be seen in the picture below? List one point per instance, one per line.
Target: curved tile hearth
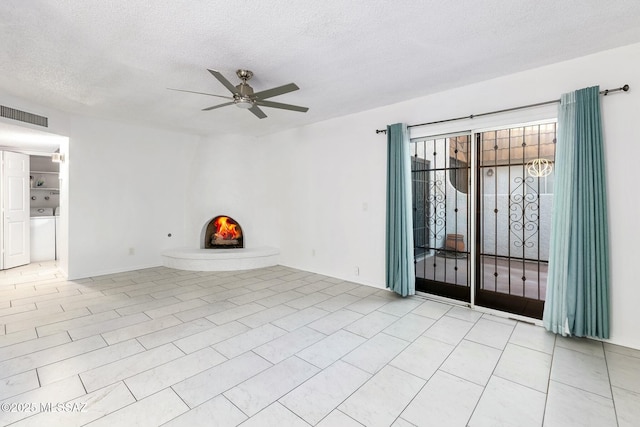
(220, 259)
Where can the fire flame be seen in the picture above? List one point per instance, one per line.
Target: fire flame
(226, 229)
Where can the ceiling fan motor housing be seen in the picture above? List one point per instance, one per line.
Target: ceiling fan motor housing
(244, 90)
(243, 98)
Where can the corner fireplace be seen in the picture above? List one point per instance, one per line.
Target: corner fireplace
(223, 232)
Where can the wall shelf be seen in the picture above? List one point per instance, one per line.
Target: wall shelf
(45, 188)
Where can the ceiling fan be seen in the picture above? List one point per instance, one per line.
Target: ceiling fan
(244, 97)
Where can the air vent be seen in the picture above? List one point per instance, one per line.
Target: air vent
(23, 116)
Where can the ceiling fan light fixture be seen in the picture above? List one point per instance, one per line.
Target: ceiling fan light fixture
(244, 103)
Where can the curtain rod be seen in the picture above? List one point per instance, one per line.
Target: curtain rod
(605, 92)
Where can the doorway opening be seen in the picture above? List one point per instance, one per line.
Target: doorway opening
(514, 217)
(508, 208)
(441, 208)
(34, 193)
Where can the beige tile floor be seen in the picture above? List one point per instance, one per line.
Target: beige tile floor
(283, 347)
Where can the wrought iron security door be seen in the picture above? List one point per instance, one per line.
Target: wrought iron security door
(514, 203)
(440, 169)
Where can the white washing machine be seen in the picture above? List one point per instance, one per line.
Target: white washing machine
(43, 237)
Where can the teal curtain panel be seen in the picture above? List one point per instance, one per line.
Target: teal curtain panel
(577, 300)
(400, 274)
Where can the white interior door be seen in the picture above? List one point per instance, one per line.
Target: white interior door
(16, 212)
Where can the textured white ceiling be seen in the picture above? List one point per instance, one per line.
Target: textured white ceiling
(116, 58)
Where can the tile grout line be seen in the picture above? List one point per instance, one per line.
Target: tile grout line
(434, 372)
(546, 398)
(613, 398)
(484, 388)
(318, 373)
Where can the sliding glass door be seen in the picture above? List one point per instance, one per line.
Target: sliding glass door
(511, 212)
(440, 169)
(515, 191)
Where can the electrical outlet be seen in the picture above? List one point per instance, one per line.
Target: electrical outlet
(132, 251)
(313, 252)
(356, 271)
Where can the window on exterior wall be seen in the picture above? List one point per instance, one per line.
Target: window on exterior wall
(459, 174)
(459, 153)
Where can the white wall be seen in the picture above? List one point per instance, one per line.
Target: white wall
(62, 234)
(122, 186)
(58, 121)
(127, 187)
(330, 176)
(331, 196)
(228, 177)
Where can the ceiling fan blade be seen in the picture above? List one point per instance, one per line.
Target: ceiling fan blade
(224, 81)
(276, 91)
(201, 93)
(217, 106)
(282, 106)
(258, 112)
